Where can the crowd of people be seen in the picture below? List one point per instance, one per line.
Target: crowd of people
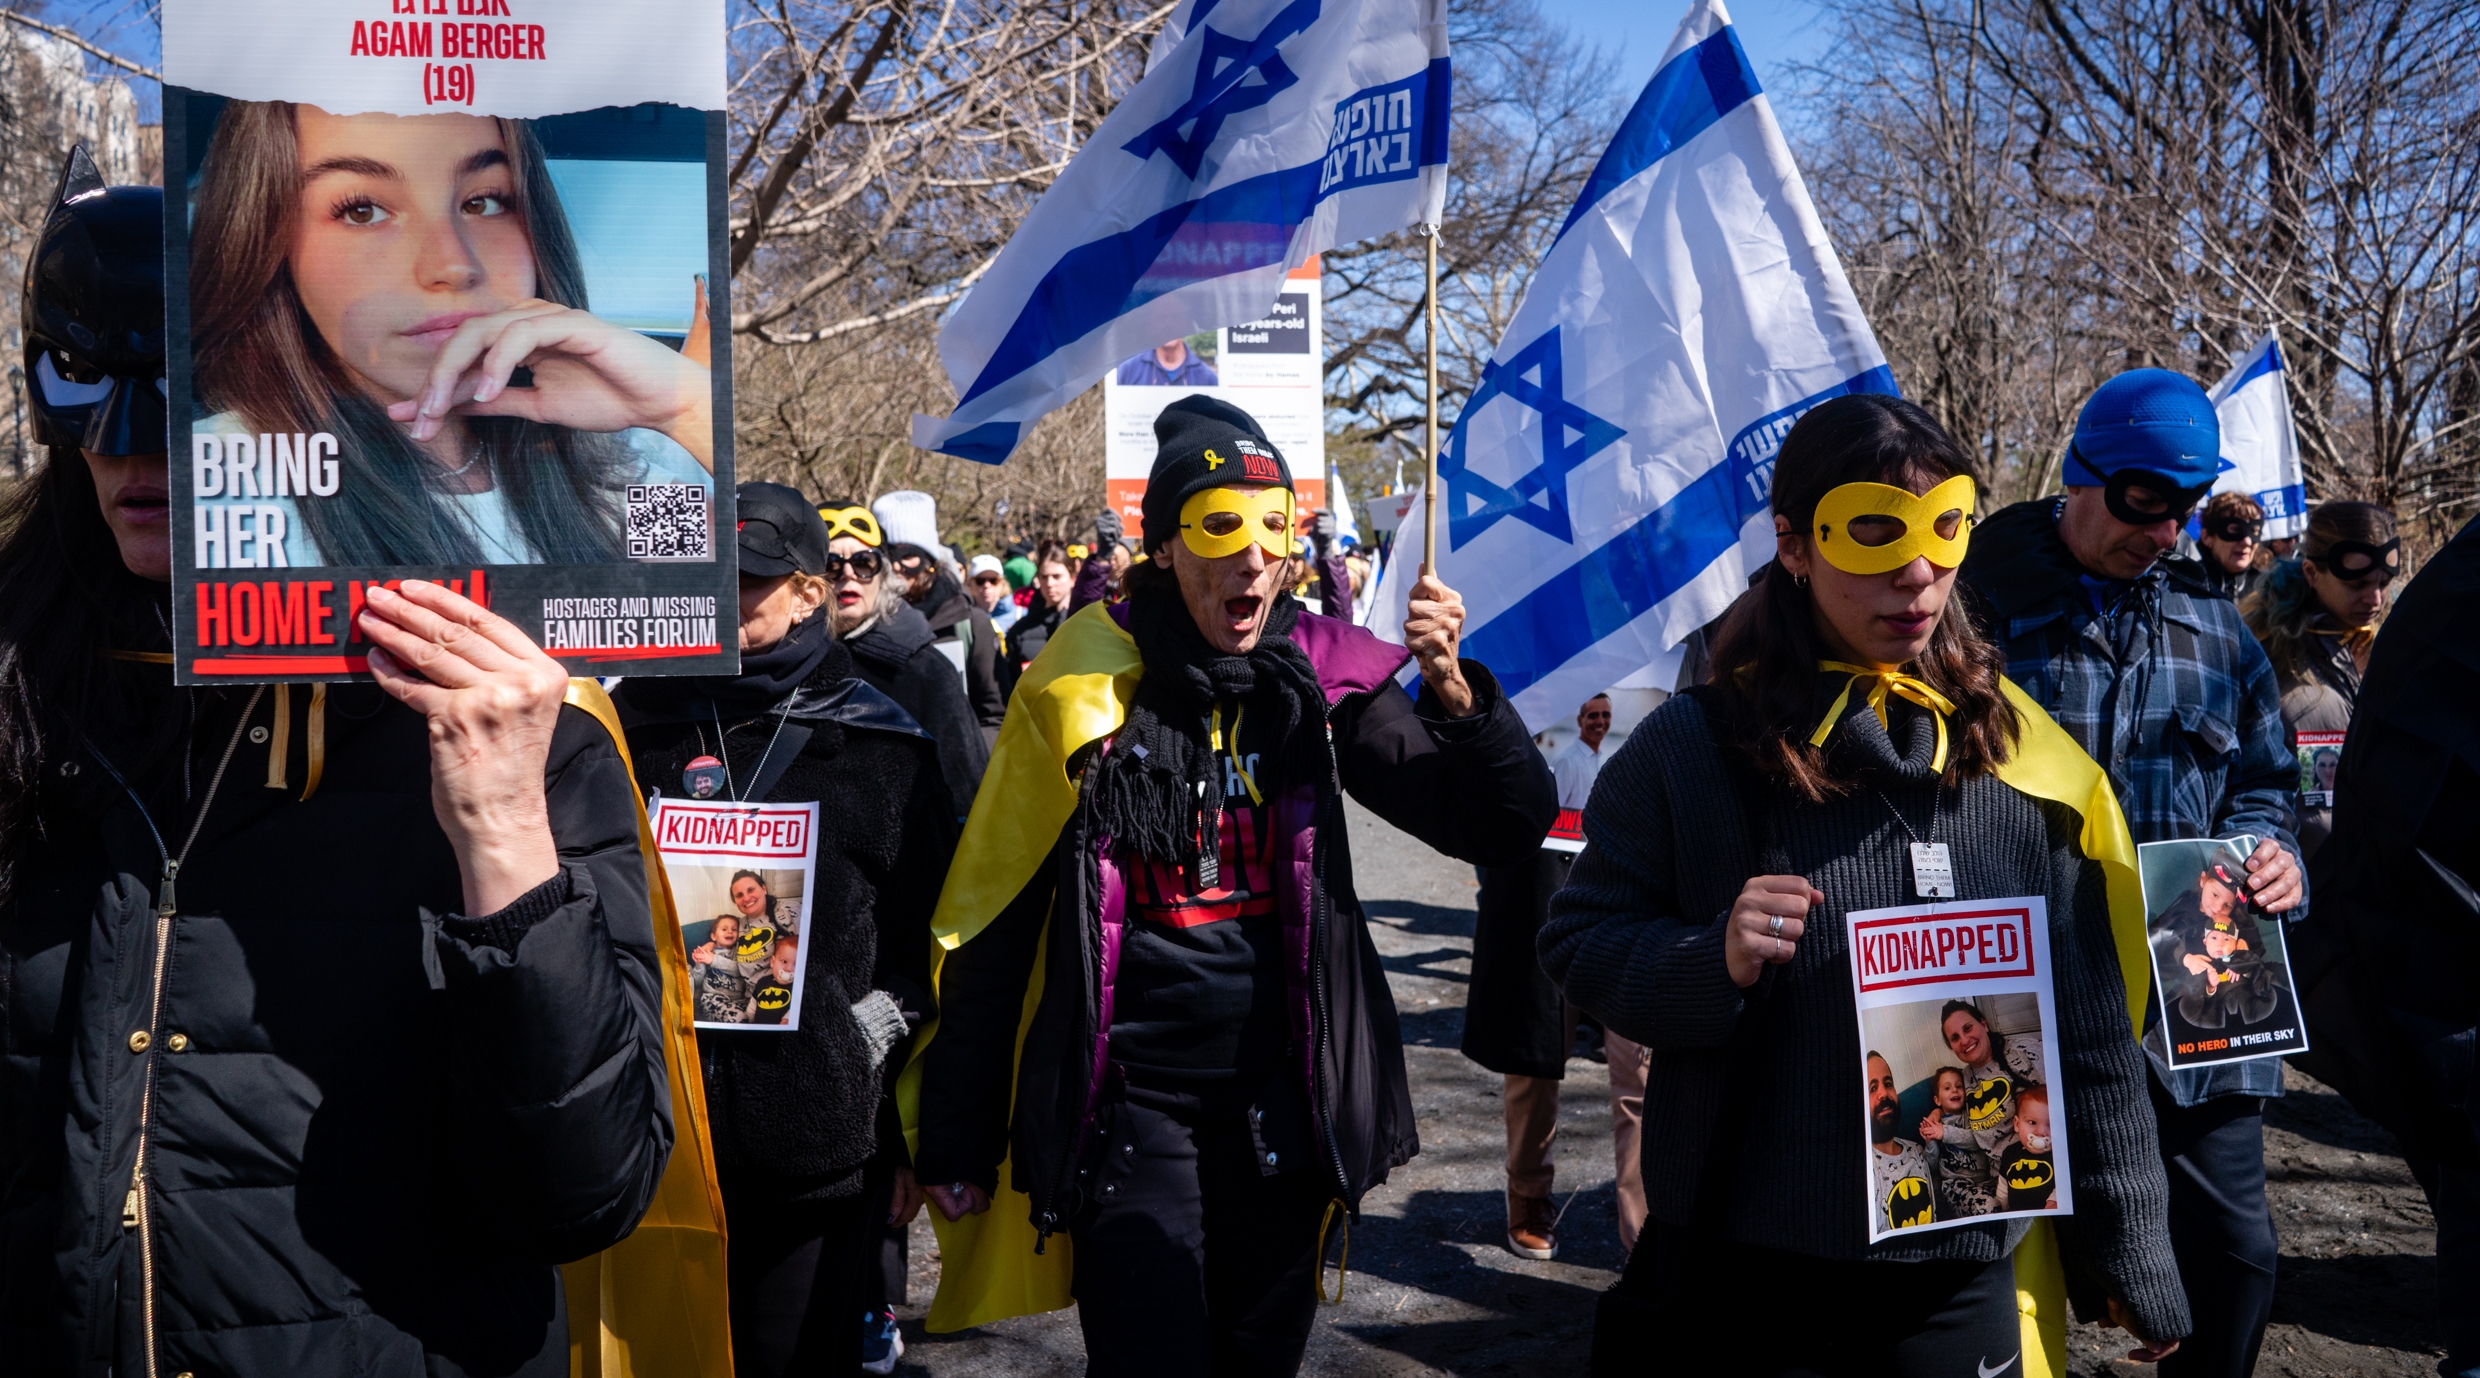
(1082, 922)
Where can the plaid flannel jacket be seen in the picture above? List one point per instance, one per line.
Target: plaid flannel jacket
(2170, 694)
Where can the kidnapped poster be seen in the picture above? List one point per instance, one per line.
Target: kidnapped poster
(447, 296)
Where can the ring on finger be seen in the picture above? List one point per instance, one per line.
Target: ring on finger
(1776, 929)
(1780, 949)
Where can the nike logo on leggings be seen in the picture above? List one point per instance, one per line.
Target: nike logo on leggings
(2003, 1365)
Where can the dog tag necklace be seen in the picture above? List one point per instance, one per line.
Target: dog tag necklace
(1933, 865)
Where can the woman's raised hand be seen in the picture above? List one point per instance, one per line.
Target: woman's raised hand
(492, 699)
(589, 375)
(1765, 925)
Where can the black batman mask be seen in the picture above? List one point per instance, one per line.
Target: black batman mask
(94, 316)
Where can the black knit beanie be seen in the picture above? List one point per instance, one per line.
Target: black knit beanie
(1201, 442)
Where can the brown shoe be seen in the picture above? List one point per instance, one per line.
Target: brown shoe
(1529, 1220)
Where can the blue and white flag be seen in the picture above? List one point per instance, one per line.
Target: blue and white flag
(1603, 493)
(1264, 131)
(2259, 448)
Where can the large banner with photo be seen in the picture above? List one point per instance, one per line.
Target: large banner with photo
(446, 282)
(1274, 369)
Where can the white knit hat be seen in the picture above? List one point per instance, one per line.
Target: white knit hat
(912, 518)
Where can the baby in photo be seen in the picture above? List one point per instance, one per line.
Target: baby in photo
(724, 975)
(774, 990)
(2027, 1180)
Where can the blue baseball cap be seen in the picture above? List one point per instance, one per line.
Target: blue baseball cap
(2151, 421)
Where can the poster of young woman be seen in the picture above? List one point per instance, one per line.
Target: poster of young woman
(1958, 1031)
(740, 882)
(447, 297)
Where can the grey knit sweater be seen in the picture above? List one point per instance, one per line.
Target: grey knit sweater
(1636, 938)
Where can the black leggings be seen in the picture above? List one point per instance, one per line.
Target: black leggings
(1190, 1259)
(1690, 1304)
(796, 1272)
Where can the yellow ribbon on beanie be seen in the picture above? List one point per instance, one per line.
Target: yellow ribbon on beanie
(1894, 682)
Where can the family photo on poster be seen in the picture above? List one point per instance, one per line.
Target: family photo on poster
(741, 874)
(2221, 970)
(1958, 1024)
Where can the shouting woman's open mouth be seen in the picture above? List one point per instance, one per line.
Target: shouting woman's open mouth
(1241, 612)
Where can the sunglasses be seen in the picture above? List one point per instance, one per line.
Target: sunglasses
(2378, 564)
(865, 565)
(2234, 528)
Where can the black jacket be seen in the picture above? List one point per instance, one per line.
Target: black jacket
(963, 630)
(795, 1116)
(1033, 631)
(1515, 1020)
(374, 1126)
(1474, 788)
(896, 656)
(2383, 968)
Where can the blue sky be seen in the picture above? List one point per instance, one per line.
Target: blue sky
(1775, 32)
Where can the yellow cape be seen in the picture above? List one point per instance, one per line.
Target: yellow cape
(1075, 692)
(1078, 691)
(2047, 764)
(654, 1304)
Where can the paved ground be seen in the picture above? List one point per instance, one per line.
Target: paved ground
(1433, 1290)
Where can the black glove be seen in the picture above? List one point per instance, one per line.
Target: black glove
(1322, 531)
(1108, 527)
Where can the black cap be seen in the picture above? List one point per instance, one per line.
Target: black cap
(779, 532)
(1203, 442)
(94, 316)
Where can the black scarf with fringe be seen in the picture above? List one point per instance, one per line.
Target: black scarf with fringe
(1159, 790)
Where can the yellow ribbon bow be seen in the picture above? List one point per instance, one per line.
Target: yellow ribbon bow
(1893, 682)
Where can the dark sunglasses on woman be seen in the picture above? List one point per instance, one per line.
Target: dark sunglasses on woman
(865, 565)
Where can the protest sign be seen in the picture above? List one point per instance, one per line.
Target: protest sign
(1274, 369)
(2320, 755)
(741, 876)
(2221, 970)
(445, 282)
(1958, 1031)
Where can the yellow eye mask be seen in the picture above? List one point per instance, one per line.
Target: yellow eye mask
(855, 522)
(1870, 528)
(1217, 522)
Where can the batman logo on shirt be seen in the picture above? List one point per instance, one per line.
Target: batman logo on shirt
(756, 943)
(1909, 1203)
(773, 997)
(1987, 1102)
(2029, 1174)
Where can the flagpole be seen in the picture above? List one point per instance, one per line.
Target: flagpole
(1429, 482)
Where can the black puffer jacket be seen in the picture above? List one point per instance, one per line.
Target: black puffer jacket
(795, 1116)
(896, 655)
(371, 1126)
(1474, 788)
(963, 631)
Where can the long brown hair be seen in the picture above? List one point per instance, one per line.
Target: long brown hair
(1765, 656)
(2284, 607)
(258, 353)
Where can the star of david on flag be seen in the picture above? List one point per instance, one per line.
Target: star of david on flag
(1264, 131)
(1605, 486)
(1532, 377)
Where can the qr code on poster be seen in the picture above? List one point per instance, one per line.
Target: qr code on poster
(667, 521)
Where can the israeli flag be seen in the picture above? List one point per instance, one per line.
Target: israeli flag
(1264, 131)
(2259, 448)
(1603, 493)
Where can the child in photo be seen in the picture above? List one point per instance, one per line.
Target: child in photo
(2228, 980)
(774, 992)
(2026, 1179)
(723, 977)
(1956, 1158)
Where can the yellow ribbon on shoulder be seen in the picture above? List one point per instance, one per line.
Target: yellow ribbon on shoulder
(1075, 693)
(654, 1305)
(2047, 764)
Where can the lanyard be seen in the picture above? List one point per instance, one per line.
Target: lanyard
(1215, 727)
